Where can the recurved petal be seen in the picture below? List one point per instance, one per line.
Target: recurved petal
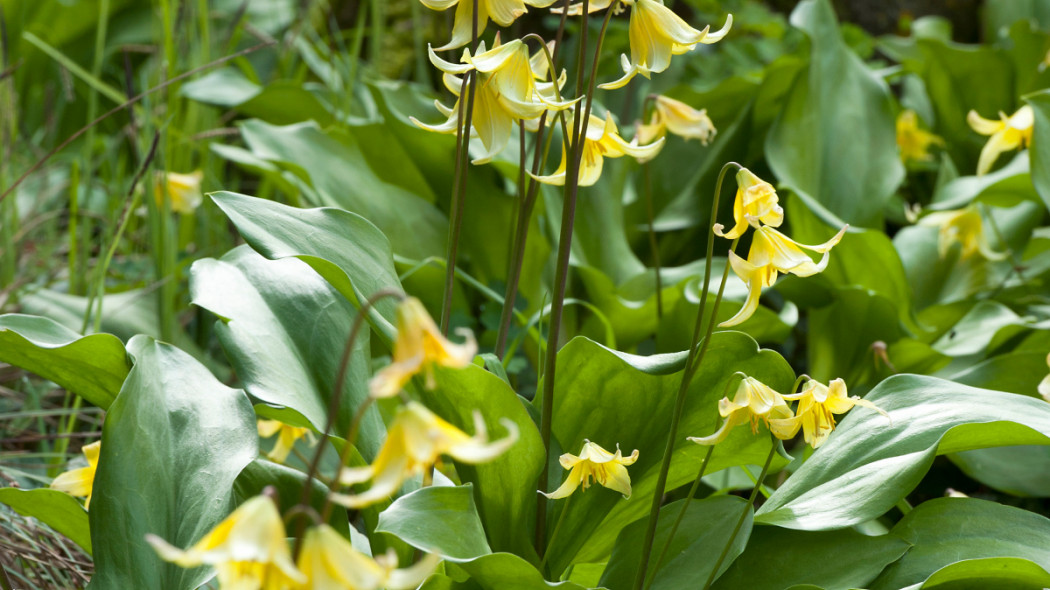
(462, 27)
(479, 450)
(750, 275)
(999, 142)
(411, 577)
(617, 478)
(568, 486)
(76, 482)
(662, 21)
(734, 419)
(982, 125)
(439, 4)
(447, 66)
(629, 72)
(720, 33)
(384, 485)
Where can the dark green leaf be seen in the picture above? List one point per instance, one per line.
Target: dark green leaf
(441, 520)
(1039, 151)
(56, 509)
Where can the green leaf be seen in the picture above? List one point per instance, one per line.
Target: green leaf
(1039, 150)
(948, 530)
(173, 444)
(613, 398)
(93, 367)
(847, 166)
(777, 558)
(284, 330)
(700, 539)
(441, 520)
(506, 571)
(56, 509)
(868, 464)
(1001, 573)
(841, 336)
(344, 248)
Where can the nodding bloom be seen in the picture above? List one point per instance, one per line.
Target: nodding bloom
(508, 90)
(286, 437)
(601, 140)
(1008, 133)
(79, 482)
(183, 190)
(248, 549)
(415, 441)
(965, 227)
(504, 12)
(772, 252)
(330, 562)
(914, 143)
(595, 463)
(678, 118)
(418, 347)
(753, 402)
(817, 405)
(756, 201)
(657, 33)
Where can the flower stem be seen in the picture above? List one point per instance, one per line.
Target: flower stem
(681, 514)
(743, 515)
(692, 361)
(647, 173)
(459, 183)
(554, 533)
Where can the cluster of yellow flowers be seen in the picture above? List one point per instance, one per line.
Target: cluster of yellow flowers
(756, 402)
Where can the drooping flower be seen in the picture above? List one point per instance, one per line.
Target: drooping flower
(507, 91)
(414, 442)
(964, 226)
(753, 401)
(330, 562)
(657, 33)
(678, 118)
(817, 405)
(772, 252)
(601, 140)
(756, 201)
(1007, 133)
(597, 464)
(418, 347)
(248, 550)
(287, 435)
(504, 12)
(183, 190)
(914, 143)
(79, 482)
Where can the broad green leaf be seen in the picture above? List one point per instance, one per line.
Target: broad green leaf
(441, 520)
(281, 102)
(344, 248)
(505, 488)
(1005, 187)
(56, 509)
(90, 366)
(847, 166)
(869, 463)
(334, 164)
(976, 331)
(841, 336)
(703, 534)
(777, 558)
(173, 444)
(613, 398)
(1001, 573)
(948, 530)
(506, 571)
(284, 329)
(1039, 151)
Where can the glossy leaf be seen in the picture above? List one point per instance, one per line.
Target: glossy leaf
(58, 510)
(173, 444)
(441, 520)
(842, 336)
(284, 329)
(868, 464)
(90, 366)
(1039, 151)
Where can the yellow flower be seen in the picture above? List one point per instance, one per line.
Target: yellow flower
(504, 12)
(595, 463)
(1044, 385)
(964, 226)
(287, 435)
(756, 200)
(1007, 133)
(678, 118)
(772, 252)
(753, 401)
(601, 140)
(914, 143)
(419, 345)
(330, 562)
(592, 7)
(657, 33)
(78, 482)
(817, 405)
(507, 91)
(248, 550)
(184, 190)
(416, 439)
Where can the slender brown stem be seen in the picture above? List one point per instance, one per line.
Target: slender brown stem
(459, 196)
(681, 514)
(693, 360)
(336, 398)
(653, 245)
(344, 454)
